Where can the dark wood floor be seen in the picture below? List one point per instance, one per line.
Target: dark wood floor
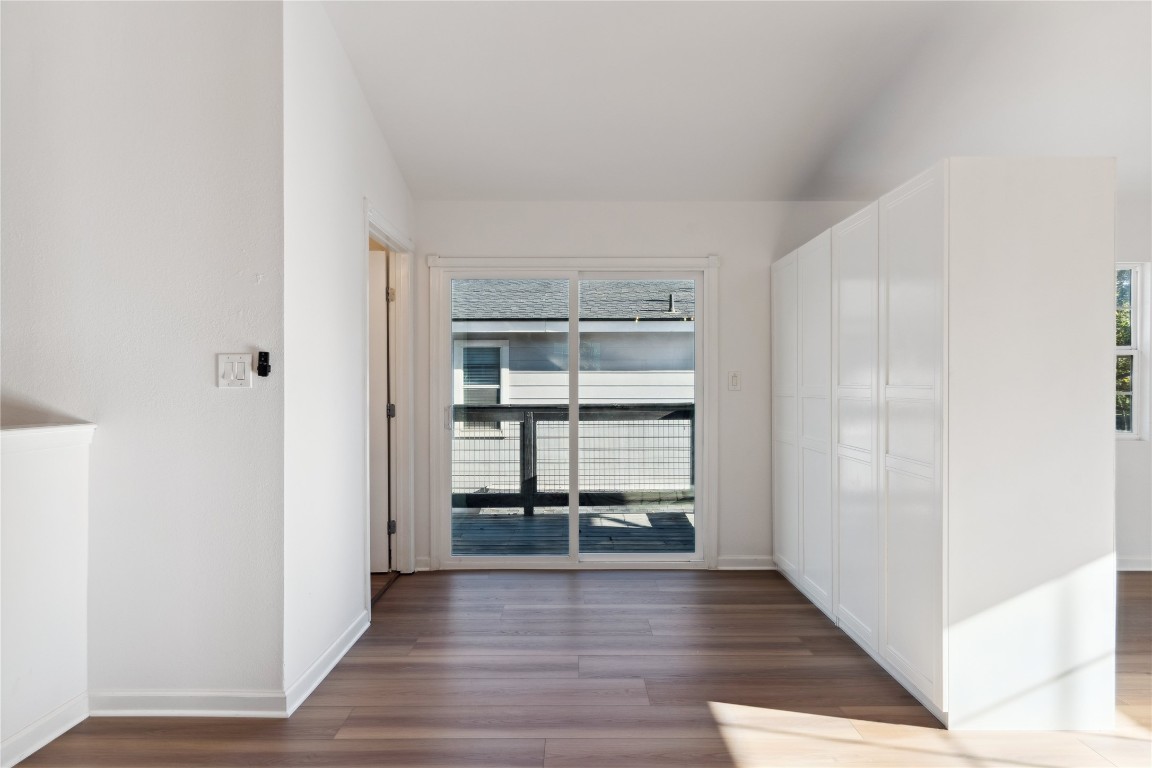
(613, 668)
(379, 583)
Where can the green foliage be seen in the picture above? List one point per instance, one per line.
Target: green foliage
(1124, 339)
(1123, 307)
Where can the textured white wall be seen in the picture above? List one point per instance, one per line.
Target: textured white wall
(747, 236)
(334, 157)
(142, 221)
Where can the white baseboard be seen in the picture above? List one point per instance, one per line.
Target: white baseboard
(315, 674)
(251, 703)
(1133, 564)
(907, 684)
(745, 563)
(35, 735)
(423, 563)
(162, 703)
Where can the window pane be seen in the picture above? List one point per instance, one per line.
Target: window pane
(1123, 413)
(1123, 307)
(1124, 373)
(637, 416)
(481, 395)
(1124, 393)
(510, 411)
(481, 365)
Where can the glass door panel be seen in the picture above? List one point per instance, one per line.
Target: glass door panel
(510, 394)
(636, 392)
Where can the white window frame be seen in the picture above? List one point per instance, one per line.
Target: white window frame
(1138, 349)
(704, 270)
(458, 346)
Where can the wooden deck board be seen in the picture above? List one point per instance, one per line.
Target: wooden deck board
(659, 529)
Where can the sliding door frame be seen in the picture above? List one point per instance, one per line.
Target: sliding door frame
(443, 270)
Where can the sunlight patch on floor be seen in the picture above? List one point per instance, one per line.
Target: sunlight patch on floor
(758, 737)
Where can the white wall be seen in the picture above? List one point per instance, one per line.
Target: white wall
(745, 235)
(1030, 559)
(334, 157)
(44, 563)
(142, 214)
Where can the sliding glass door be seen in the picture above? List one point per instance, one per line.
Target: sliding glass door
(510, 403)
(637, 393)
(528, 355)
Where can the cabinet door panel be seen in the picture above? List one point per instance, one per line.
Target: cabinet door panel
(815, 311)
(816, 418)
(784, 324)
(817, 527)
(856, 423)
(859, 548)
(914, 239)
(912, 430)
(913, 251)
(815, 297)
(913, 632)
(855, 269)
(784, 417)
(785, 507)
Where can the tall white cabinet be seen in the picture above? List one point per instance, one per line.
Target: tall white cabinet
(964, 532)
(802, 348)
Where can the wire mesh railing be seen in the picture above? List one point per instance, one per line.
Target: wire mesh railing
(518, 455)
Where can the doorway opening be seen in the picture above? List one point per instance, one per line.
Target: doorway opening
(388, 427)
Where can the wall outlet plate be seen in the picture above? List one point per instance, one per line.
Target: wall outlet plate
(234, 371)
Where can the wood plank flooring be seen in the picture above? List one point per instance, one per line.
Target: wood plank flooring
(615, 668)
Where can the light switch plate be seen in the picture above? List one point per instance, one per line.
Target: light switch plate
(734, 381)
(234, 371)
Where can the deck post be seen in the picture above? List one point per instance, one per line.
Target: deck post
(692, 449)
(528, 462)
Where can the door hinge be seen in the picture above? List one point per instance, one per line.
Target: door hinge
(391, 294)
(391, 410)
(391, 526)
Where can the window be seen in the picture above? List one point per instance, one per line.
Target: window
(1127, 348)
(481, 378)
(481, 369)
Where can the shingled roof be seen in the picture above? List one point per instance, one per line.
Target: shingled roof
(548, 299)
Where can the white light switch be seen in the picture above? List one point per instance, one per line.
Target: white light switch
(734, 381)
(234, 371)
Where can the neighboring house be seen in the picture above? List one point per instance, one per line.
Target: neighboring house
(510, 341)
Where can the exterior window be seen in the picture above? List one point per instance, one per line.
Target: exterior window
(481, 369)
(481, 378)
(1127, 348)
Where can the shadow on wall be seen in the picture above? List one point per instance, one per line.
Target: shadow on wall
(801, 221)
(16, 411)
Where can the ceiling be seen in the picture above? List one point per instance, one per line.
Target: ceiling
(741, 100)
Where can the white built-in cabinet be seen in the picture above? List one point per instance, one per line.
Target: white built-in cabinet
(943, 442)
(801, 365)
